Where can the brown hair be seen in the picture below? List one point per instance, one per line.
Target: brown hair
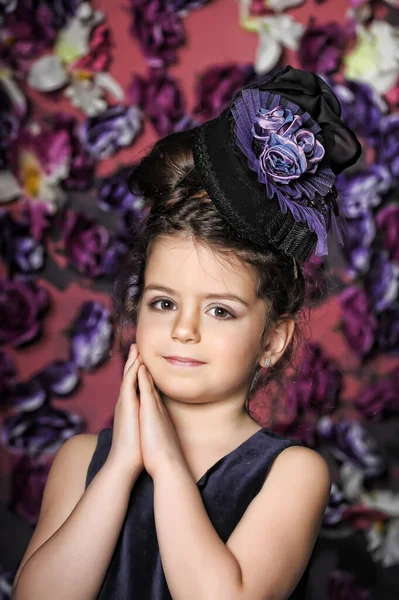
(166, 177)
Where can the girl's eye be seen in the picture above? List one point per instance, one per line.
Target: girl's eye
(152, 304)
(223, 310)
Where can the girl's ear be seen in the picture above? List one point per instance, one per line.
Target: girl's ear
(278, 340)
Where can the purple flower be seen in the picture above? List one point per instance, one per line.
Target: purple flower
(387, 143)
(82, 165)
(322, 47)
(360, 193)
(217, 85)
(41, 431)
(361, 106)
(91, 335)
(336, 506)
(359, 324)
(22, 304)
(28, 395)
(114, 193)
(350, 442)
(113, 257)
(318, 382)
(160, 99)
(387, 220)
(343, 586)
(85, 243)
(7, 374)
(20, 246)
(388, 330)
(183, 7)
(380, 399)
(29, 479)
(159, 30)
(381, 282)
(359, 234)
(60, 377)
(9, 126)
(113, 129)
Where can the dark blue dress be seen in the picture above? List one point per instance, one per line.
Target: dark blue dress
(227, 488)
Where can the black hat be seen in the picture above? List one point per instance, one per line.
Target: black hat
(269, 162)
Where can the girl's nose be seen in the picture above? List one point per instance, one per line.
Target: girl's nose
(186, 328)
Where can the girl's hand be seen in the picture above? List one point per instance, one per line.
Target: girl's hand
(159, 441)
(125, 449)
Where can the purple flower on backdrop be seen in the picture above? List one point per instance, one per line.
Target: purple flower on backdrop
(82, 164)
(60, 377)
(28, 482)
(322, 47)
(336, 506)
(359, 324)
(91, 335)
(314, 273)
(103, 135)
(387, 143)
(381, 281)
(360, 193)
(362, 108)
(22, 304)
(159, 30)
(9, 126)
(303, 429)
(85, 243)
(21, 241)
(28, 395)
(343, 586)
(7, 374)
(41, 431)
(114, 194)
(185, 123)
(350, 441)
(183, 7)
(359, 235)
(160, 98)
(387, 221)
(216, 86)
(318, 382)
(379, 399)
(7, 7)
(388, 330)
(113, 257)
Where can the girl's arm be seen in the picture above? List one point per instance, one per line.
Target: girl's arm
(269, 549)
(72, 563)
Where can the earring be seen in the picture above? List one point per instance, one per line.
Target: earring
(268, 362)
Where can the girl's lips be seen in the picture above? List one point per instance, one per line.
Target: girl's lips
(185, 363)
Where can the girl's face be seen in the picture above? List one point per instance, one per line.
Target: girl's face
(224, 333)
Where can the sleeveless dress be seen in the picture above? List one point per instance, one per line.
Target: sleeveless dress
(135, 571)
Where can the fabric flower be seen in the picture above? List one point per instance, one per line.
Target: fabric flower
(40, 159)
(387, 143)
(343, 585)
(22, 304)
(359, 324)
(108, 132)
(336, 506)
(28, 483)
(317, 383)
(85, 243)
(359, 235)
(21, 244)
(217, 85)
(114, 193)
(322, 46)
(362, 107)
(160, 99)
(388, 330)
(184, 7)
(387, 221)
(7, 374)
(375, 58)
(28, 395)
(360, 193)
(382, 281)
(350, 442)
(91, 335)
(60, 377)
(159, 30)
(379, 399)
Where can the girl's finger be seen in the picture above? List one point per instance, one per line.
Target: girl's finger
(131, 357)
(130, 377)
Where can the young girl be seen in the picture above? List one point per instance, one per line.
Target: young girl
(187, 497)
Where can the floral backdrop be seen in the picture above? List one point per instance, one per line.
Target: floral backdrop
(85, 88)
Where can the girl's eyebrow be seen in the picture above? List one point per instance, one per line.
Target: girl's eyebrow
(162, 288)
